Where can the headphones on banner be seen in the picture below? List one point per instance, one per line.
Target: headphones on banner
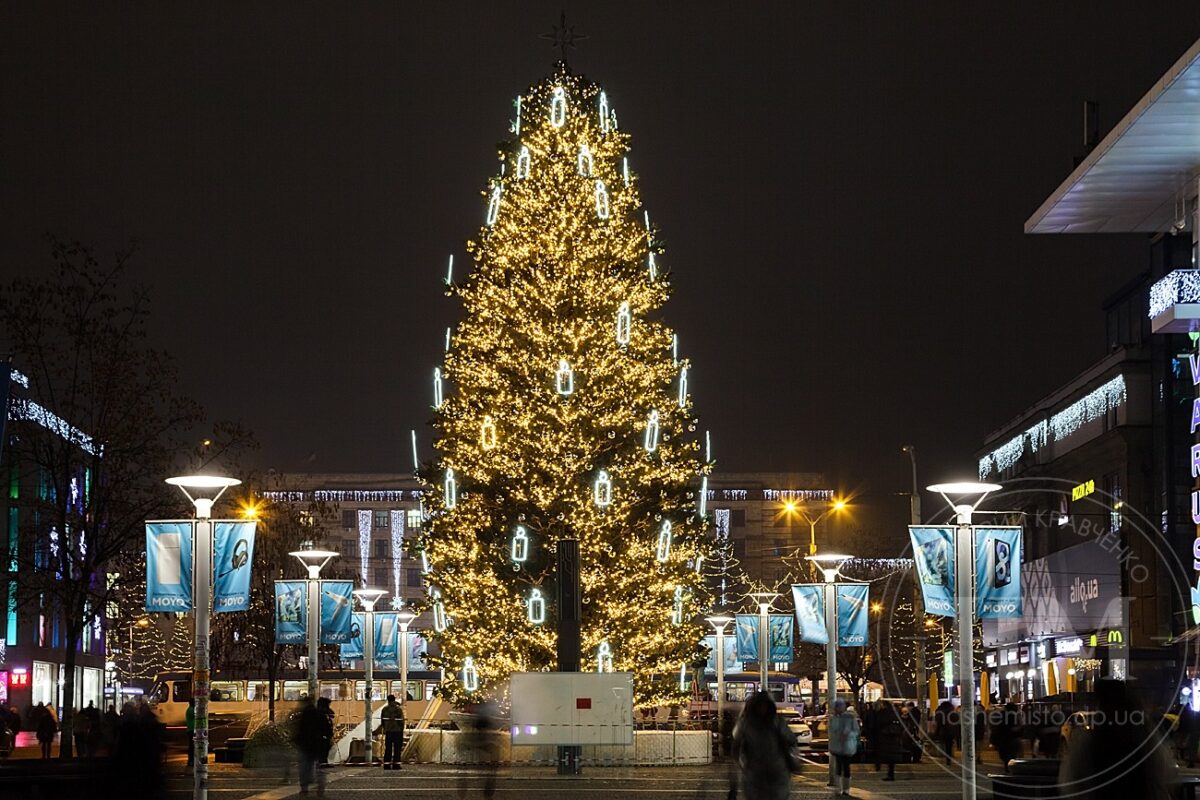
(355, 631)
(241, 555)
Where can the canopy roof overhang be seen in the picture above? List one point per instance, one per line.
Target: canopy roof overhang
(1132, 181)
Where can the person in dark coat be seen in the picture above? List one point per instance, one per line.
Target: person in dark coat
(916, 742)
(890, 739)
(46, 728)
(945, 721)
(312, 737)
(871, 719)
(1004, 732)
(761, 743)
(325, 706)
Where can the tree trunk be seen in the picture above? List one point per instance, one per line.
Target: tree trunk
(272, 669)
(66, 714)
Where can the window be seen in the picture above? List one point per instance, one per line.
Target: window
(382, 519)
(349, 548)
(226, 692)
(739, 548)
(738, 518)
(183, 691)
(412, 518)
(778, 547)
(412, 577)
(382, 577)
(349, 518)
(381, 548)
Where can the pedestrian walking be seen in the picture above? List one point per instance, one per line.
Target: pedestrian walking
(81, 727)
(325, 706)
(891, 735)
(916, 742)
(312, 733)
(945, 722)
(481, 745)
(1120, 756)
(391, 720)
(844, 732)
(871, 718)
(762, 746)
(47, 726)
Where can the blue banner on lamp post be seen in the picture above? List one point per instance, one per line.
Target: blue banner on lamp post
(387, 640)
(810, 612)
(291, 612)
(852, 614)
(169, 565)
(780, 626)
(933, 554)
(233, 558)
(746, 635)
(336, 608)
(998, 572)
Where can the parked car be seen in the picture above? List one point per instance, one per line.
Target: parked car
(797, 726)
(1078, 721)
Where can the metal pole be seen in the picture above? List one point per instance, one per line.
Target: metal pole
(965, 591)
(721, 689)
(403, 669)
(369, 669)
(831, 630)
(314, 628)
(202, 602)
(764, 646)
(812, 536)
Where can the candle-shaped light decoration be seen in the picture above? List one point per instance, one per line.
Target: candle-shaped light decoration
(416, 462)
(625, 169)
(684, 683)
(426, 567)
(450, 271)
(624, 323)
(699, 562)
(683, 371)
(535, 607)
(602, 493)
(437, 387)
(447, 340)
(702, 498)
(604, 121)
(601, 200)
(450, 490)
(663, 551)
(708, 447)
(523, 163)
(439, 612)
(520, 545)
(677, 607)
(584, 162)
(675, 348)
(558, 107)
(487, 433)
(651, 439)
(470, 678)
(652, 267)
(564, 378)
(517, 125)
(604, 659)
(493, 210)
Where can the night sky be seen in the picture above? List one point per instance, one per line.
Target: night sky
(841, 189)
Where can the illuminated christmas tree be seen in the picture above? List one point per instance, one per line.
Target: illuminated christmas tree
(562, 411)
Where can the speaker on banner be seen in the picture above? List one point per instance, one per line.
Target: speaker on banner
(169, 565)
(336, 608)
(933, 554)
(233, 555)
(291, 612)
(998, 572)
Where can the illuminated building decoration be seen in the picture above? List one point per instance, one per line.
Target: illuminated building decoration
(364, 542)
(1175, 288)
(554, 289)
(396, 526)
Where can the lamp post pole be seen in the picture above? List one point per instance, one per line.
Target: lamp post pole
(829, 566)
(964, 596)
(764, 632)
(313, 560)
(404, 618)
(921, 680)
(368, 598)
(202, 608)
(719, 622)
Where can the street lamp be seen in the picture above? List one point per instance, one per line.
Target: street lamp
(764, 600)
(719, 621)
(202, 491)
(403, 618)
(313, 560)
(368, 598)
(830, 564)
(964, 583)
(792, 507)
